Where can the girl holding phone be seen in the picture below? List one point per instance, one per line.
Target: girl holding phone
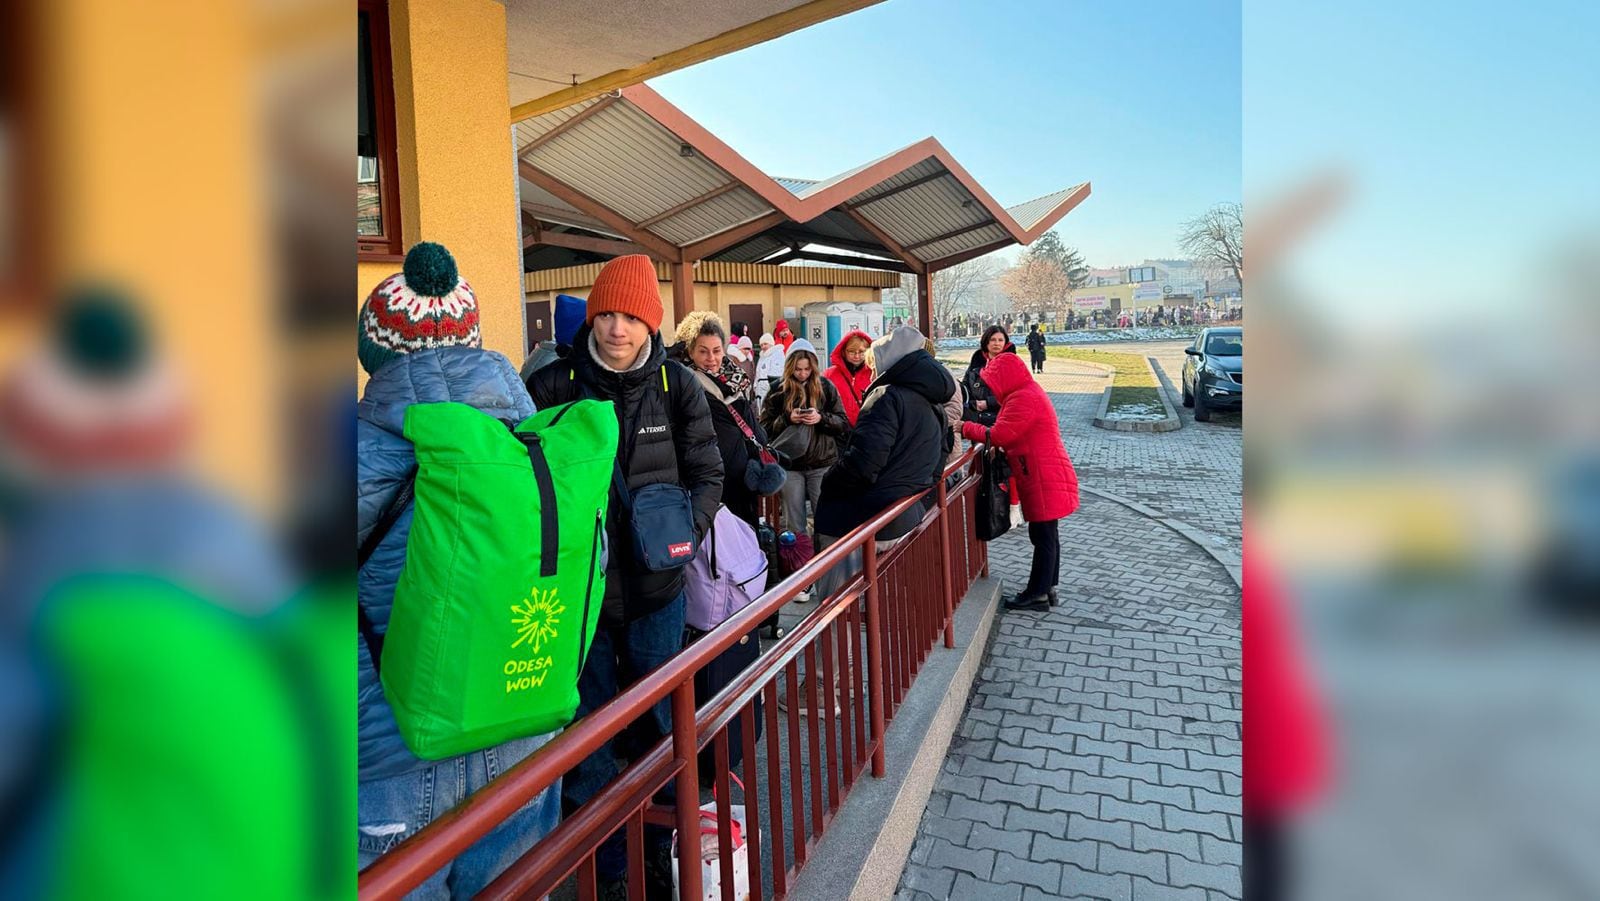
(805, 420)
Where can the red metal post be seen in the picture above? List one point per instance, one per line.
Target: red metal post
(858, 648)
(830, 676)
(945, 567)
(636, 856)
(849, 697)
(813, 684)
(775, 791)
(797, 805)
(721, 787)
(752, 808)
(587, 886)
(875, 692)
(688, 802)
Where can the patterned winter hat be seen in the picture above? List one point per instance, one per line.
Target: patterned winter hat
(428, 304)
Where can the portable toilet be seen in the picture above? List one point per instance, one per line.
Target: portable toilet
(874, 314)
(822, 326)
(851, 318)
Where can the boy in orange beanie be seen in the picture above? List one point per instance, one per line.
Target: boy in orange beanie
(666, 437)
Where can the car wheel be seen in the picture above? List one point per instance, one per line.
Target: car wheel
(1201, 412)
(1188, 399)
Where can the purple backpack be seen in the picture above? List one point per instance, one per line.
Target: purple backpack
(728, 571)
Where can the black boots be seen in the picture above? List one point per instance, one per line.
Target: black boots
(1036, 603)
(1029, 602)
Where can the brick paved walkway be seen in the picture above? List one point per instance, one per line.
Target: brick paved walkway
(1099, 755)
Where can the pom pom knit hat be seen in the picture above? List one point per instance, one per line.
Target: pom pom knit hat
(427, 304)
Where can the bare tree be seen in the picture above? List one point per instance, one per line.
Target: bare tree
(1037, 284)
(955, 289)
(1215, 240)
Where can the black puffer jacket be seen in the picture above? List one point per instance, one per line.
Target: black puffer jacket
(898, 448)
(827, 436)
(1036, 343)
(669, 427)
(976, 390)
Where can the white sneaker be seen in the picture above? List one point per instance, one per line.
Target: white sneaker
(803, 597)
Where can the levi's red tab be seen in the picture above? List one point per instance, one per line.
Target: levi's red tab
(682, 549)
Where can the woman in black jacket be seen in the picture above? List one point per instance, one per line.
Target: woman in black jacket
(982, 406)
(701, 345)
(805, 398)
(897, 449)
(900, 441)
(1036, 347)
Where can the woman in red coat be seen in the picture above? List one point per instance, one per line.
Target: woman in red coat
(850, 372)
(1040, 469)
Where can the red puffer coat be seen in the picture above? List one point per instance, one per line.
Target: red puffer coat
(852, 388)
(1028, 432)
(1285, 732)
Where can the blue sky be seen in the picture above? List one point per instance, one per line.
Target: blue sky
(1142, 99)
(1467, 130)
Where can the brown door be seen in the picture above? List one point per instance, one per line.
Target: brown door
(536, 314)
(750, 314)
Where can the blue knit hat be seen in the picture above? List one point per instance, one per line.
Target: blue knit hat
(569, 317)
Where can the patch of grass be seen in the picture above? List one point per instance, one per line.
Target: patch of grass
(1132, 370)
(1131, 397)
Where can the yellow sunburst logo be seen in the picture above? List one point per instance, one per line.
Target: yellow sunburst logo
(536, 618)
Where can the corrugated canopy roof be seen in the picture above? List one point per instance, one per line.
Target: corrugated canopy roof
(631, 165)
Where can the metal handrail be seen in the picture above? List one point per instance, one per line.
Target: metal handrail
(413, 861)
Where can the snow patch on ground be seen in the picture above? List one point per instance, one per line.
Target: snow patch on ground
(1137, 413)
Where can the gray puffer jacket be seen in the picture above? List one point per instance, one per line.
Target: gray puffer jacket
(384, 460)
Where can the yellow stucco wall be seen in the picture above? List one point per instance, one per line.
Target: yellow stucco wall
(121, 105)
(457, 165)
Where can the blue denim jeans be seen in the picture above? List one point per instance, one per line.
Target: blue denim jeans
(392, 809)
(618, 657)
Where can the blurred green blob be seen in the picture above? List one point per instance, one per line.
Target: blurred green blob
(209, 754)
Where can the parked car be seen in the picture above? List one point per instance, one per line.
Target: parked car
(1213, 375)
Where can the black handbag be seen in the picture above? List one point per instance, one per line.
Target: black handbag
(993, 497)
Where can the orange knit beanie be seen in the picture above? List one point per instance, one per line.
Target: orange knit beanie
(627, 284)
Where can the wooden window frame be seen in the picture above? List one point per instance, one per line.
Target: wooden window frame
(388, 246)
(30, 213)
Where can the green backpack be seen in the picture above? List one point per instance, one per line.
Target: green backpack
(500, 594)
(206, 752)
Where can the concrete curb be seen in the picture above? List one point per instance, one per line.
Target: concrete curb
(1170, 423)
(1174, 401)
(1215, 547)
(868, 842)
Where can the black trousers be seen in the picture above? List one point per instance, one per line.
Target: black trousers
(1266, 855)
(1046, 569)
